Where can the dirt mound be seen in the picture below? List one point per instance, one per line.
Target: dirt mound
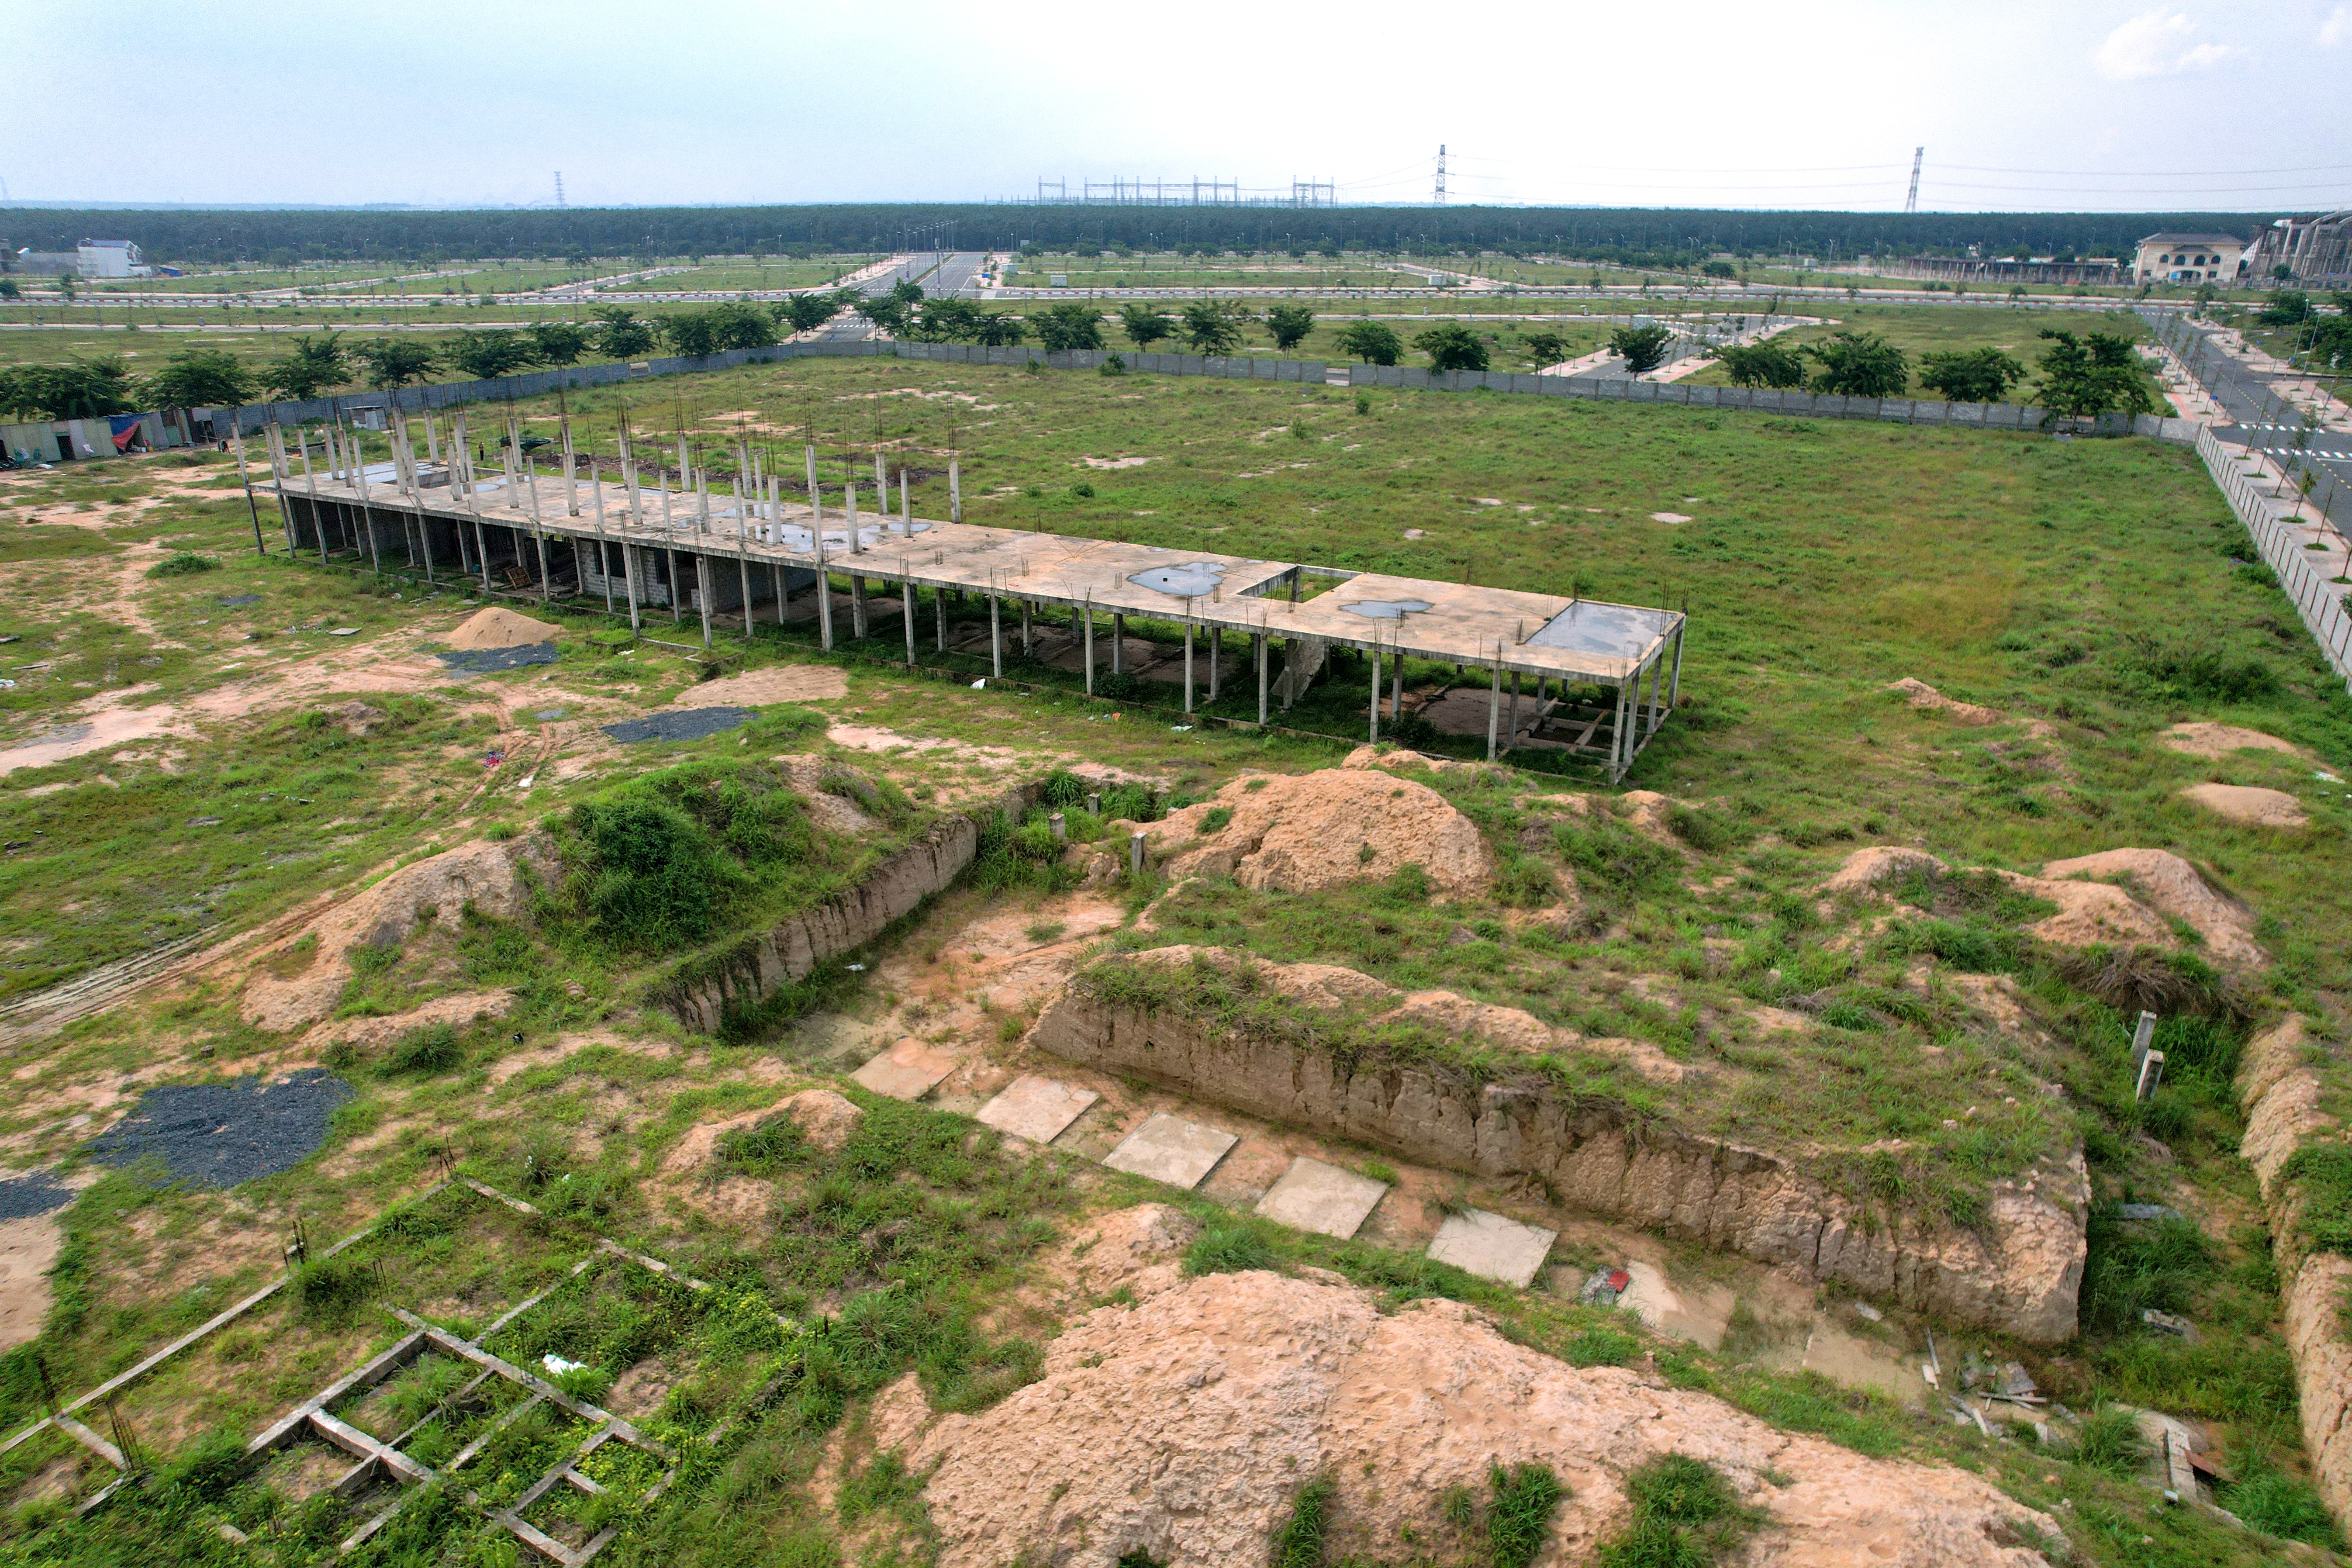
(374, 1034)
(1134, 1248)
(2173, 887)
(2091, 914)
(777, 683)
(1181, 1427)
(1312, 831)
(1919, 694)
(1330, 987)
(279, 996)
(826, 1118)
(2199, 739)
(2245, 803)
(1364, 757)
(496, 627)
(1865, 868)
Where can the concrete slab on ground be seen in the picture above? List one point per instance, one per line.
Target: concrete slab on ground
(1171, 1150)
(1491, 1246)
(1312, 1196)
(909, 1069)
(1036, 1109)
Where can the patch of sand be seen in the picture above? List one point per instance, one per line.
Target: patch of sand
(2249, 804)
(460, 1010)
(2199, 739)
(1308, 832)
(1180, 1427)
(28, 1250)
(499, 628)
(2173, 887)
(1865, 868)
(1116, 462)
(95, 723)
(481, 873)
(1668, 517)
(2091, 914)
(1919, 694)
(776, 683)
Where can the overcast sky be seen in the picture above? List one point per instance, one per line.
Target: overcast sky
(2021, 104)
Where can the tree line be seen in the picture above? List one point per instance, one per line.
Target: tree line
(1636, 236)
(2081, 373)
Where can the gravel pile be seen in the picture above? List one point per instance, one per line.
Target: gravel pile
(490, 660)
(224, 1134)
(22, 1197)
(691, 725)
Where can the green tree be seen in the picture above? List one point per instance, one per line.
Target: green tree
(1146, 325)
(620, 334)
(8, 290)
(559, 342)
(1859, 365)
(1765, 364)
(1211, 328)
(1374, 342)
(2287, 307)
(1545, 347)
(395, 362)
(948, 321)
(886, 311)
(807, 312)
(1072, 324)
(78, 389)
(201, 378)
(1453, 346)
(1643, 349)
(691, 332)
(1002, 330)
(2097, 373)
(1289, 325)
(1972, 375)
(907, 292)
(492, 352)
(310, 368)
(1719, 270)
(742, 326)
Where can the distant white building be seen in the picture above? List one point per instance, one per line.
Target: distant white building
(2188, 259)
(2314, 250)
(110, 259)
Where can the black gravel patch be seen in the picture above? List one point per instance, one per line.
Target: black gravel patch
(489, 660)
(223, 1134)
(238, 601)
(693, 724)
(22, 1197)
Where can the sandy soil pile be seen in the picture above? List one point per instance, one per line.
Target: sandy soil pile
(1865, 868)
(1184, 1425)
(2200, 739)
(2172, 886)
(1919, 694)
(480, 873)
(2245, 803)
(496, 627)
(1312, 831)
(826, 1118)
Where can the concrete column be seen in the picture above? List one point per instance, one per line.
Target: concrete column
(906, 506)
(777, 567)
(1217, 657)
(996, 636)
(571, 490)
(629, 579)
(530, 480)
(823, 598)
(1376, 693)
(857, 626)
(1260, 640)
(849, 511)
(955, 494)
(425, 543)
(742, 540)
(1396, 704)
(702, 592)
(881, 488)
(603, 558)
(939, 604)
(1117, 643)
(1090, 650)
(1512, 728)
(676, 610)
(906, 615)
(1494, 705)
(1028, 642)
(1187, 663)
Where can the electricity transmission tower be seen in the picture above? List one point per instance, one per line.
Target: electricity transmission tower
(1911, 202)
(1440, 197)
(559, 189)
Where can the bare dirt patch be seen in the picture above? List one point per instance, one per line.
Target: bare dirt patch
(1233, 1386)
(777, 683)
(1308, 832)
(2173, 886)
(2199, 739)
(1919, 694)
(28, 1250)
(2249, 804)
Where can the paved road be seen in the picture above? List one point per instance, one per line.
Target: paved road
(2262, 420)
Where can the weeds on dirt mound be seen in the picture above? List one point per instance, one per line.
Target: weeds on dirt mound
(431, 1050)
(1230, 1249)
(1298, 1539)
(1685, 1515)
(765, 1148)
(1618, 858)
(2325, 1171)
(186, 563)
(2199, 670)
(1519, 1521)
(1024, 855)
(2131, 979)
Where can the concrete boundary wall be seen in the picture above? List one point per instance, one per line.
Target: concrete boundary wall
(1807, 405)
(2275, 537)
(1765, 400)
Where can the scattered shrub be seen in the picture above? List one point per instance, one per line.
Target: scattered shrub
(764, 1148)
(186, 563)
(1229, 1248)
(1298, 1539)
(431, 1050)
(2270, 1499)
(1520, 1518)
(2109, 1440)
